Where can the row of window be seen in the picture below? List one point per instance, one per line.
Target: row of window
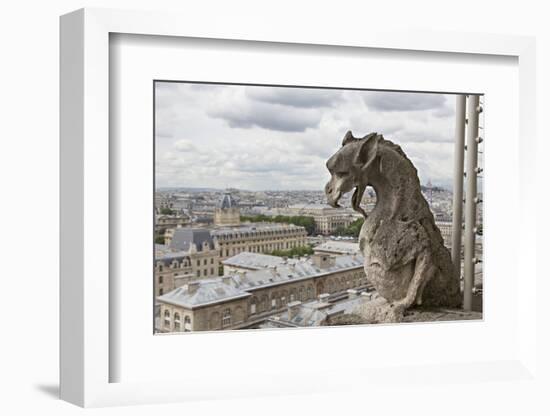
(205, 272)
(259, 249)
(260, 234)
(278, 300)
(184, 263)
(226, 319)
(177, 321)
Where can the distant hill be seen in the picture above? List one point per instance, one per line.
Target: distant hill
(187, 189)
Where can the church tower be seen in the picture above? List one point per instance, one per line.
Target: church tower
(227, 213)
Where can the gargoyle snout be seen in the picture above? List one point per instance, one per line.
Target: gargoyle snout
(332, 194)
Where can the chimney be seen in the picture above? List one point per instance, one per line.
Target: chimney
(192, 287)
(322, 260)
(293, 308)
(352, 293)
(274, 271)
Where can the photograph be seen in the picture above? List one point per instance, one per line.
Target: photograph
(284, 207)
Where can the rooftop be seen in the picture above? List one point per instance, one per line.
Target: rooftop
(242, 283)
(314, 313)
(253, 260)
(227, 201)
(202, 293)
(340, 247)
(184, 238)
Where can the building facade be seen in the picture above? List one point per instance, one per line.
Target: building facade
(192, 254)
(254, 238)
(327, 219)
(247, 298)
(446, 228)
(259, 238)
(164, 222)
(227, 214)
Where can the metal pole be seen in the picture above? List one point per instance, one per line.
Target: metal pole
(458, 186)
(471, 198)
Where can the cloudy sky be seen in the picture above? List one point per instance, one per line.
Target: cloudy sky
(274, 138)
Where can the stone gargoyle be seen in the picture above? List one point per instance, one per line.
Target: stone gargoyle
(405, 258)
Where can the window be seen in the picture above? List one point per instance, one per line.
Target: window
(187, 323)
(177, 322)
(252, 308)
(211, 261)
(226, 317)
(205, 262)
(198, 273)
(274, 303)
(160, 267)
(198, 262)
(161, 291)
(167, 318)
(160, 279)
(212, 270)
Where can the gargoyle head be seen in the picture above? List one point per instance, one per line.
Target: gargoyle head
(349, 167)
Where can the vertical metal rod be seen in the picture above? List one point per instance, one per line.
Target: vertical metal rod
(458, 186)
(471, 198)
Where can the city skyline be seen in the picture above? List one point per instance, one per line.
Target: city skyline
(259, 138)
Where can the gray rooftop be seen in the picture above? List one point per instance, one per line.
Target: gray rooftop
(227, 201)
(315, 312)
(241, 284)
(292, 270)
(207, 291)
(166, 256)
(254, 261)
(340, 247)
(183, 238)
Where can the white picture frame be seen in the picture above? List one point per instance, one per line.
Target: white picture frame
(86, 354)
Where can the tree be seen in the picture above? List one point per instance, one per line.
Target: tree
(159, 240)
(293, 252)
(352, 230)
(166, 211)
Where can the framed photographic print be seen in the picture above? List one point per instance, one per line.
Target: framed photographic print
(249, 239)
(258, 214)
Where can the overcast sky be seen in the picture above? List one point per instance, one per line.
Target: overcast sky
(274, 138)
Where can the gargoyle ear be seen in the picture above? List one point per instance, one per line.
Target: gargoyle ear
(367, 151)
(348, 138)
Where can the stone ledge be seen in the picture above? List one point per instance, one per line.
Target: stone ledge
(413, 315)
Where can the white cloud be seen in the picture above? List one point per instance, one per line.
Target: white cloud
(279, 138)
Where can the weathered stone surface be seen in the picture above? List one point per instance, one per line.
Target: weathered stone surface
(405, 258)
(418, 314)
